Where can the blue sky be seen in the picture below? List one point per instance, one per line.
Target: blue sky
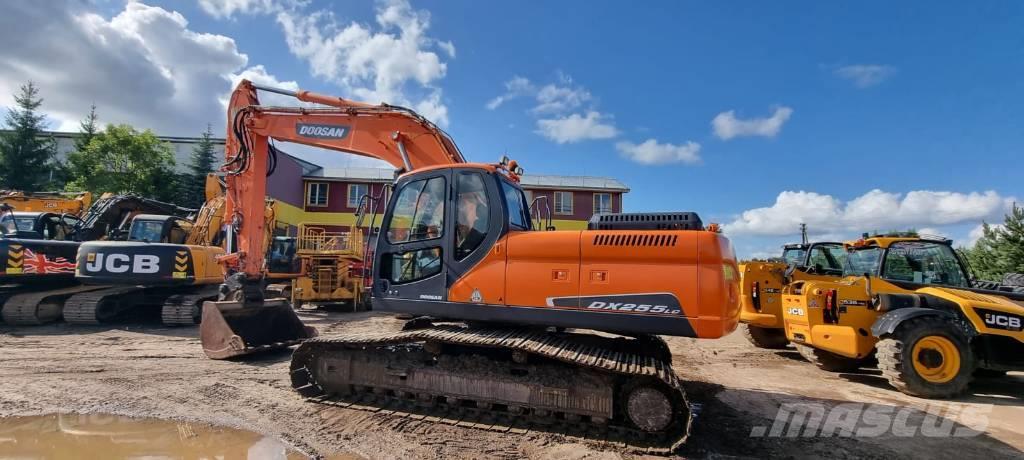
(818, 104)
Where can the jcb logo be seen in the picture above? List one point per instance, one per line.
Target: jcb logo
(998, 321)
(122, 263)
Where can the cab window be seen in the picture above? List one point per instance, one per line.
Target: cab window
(827, 259)
(862, 261)
(472, 214)
(406, 267)
(794, 256)
(149, 231)
(419, 211)
(923, 263)
(518, 213)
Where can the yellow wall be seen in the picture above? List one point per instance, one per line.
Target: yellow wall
(292, 215)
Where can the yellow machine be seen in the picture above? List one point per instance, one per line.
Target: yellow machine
(55, 202)
(167, 261)
(762, 285)
(910, 302)
(328, 267)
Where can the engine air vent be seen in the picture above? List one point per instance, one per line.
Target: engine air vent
(610, 239)
(646, 221)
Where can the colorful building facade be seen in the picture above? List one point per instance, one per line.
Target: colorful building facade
(329, 198)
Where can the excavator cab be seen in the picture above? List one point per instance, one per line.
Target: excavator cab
(439, 225)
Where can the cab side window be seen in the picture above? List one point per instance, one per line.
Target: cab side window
(472, 214)
(518, 215)
(419, 212)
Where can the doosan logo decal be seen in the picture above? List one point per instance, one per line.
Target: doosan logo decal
(321, 131)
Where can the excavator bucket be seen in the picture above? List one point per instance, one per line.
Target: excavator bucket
(230, 329)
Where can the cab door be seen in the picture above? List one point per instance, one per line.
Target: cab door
(411, 247)
(477, 258)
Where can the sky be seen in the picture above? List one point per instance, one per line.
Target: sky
(851, 117)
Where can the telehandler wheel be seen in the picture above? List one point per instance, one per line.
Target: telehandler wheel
(927, 357)
(761, 337)
(826, 360)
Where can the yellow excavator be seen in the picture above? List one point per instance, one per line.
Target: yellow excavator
(38, 274)
(166, 260)
(910, 302)
(56, 202)
(763, 283)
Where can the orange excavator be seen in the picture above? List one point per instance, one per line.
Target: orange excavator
(502, 310)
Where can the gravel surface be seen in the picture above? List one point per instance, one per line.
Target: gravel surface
(155, 371)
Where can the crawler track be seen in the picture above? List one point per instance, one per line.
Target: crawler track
(98, 306)
(611, 389)
(185, 309)
(40, 307)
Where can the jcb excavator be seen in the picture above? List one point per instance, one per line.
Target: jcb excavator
(40, 248)
(909, 301)
(55, 202)
(457, 245)
(167, 262)
(762, 285)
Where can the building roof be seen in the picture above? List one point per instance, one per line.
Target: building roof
(354, 174)
(539, 181)
(171, 139)
(530, 181)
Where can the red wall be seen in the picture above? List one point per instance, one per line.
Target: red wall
(582, 204)
(337, 196)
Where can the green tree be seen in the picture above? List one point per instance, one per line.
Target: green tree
(25, 154)
(123, 160)
(87, 130)
(193, 182)
(1000, 250)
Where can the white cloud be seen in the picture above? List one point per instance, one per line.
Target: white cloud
(875, 210)
(556, 99)
(258, 74)
(727, 126)
(514, 88)
(575, 128)
(551, 99)
(143, 66)
(227, 8)
(651, 152)
(865, 75)
(394, 62)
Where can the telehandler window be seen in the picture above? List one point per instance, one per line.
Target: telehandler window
(923, 263)
(419, 211)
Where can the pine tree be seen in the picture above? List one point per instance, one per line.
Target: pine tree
(1000, 250)
(87, 130)
(200, 164)
(25, 155)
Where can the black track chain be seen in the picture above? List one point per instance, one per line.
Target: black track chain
(23, 309)
(182, 309)
(485, 416)
(83, 308)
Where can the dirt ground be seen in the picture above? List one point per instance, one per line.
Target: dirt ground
(155, 371)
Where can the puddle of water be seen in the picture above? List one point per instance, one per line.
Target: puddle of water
(110, 436)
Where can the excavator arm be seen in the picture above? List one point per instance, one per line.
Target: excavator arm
(394, 134)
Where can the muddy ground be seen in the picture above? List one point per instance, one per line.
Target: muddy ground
(150, 370)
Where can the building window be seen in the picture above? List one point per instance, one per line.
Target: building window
(316, 194)
(602, 202)
(355, 193)
(563, 203)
